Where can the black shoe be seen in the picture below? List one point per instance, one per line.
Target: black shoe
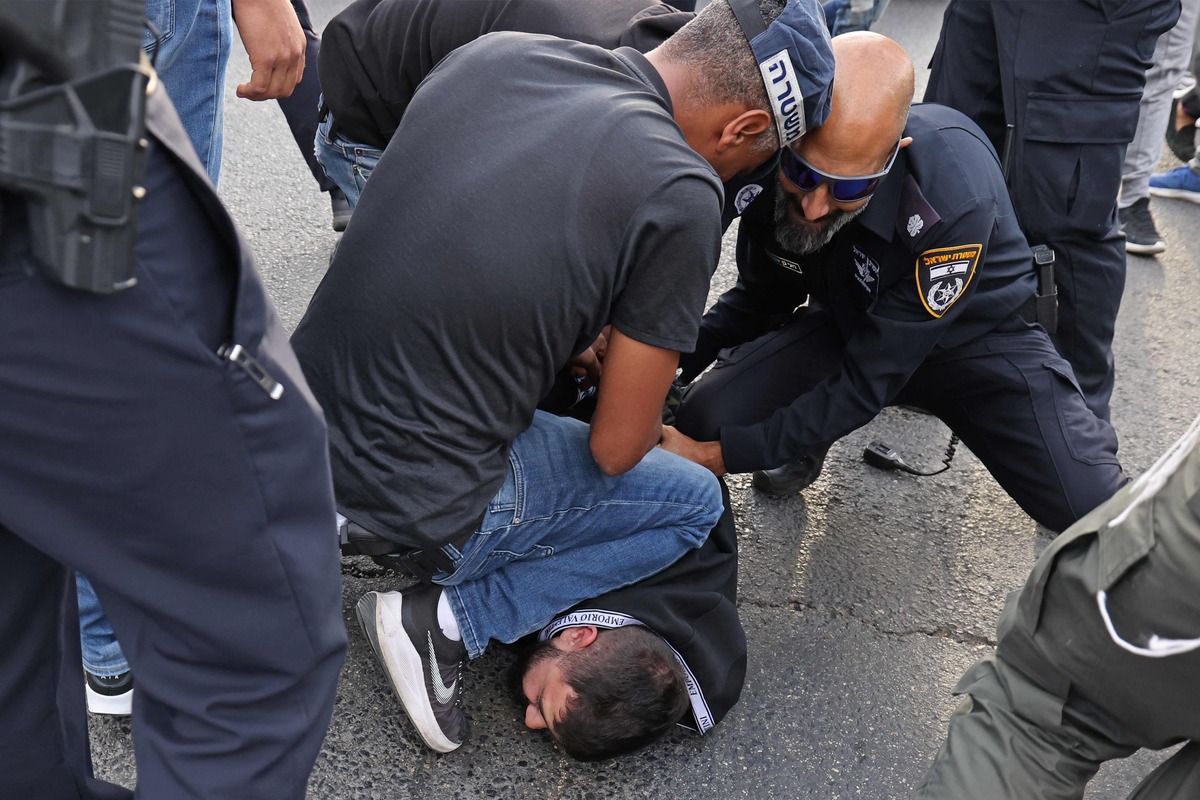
(341, 209)
(1141, 237)
(109, 694)
(791, 477)
(423, 666)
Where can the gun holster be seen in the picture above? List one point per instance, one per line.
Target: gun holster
(1047, 289)
(72, 133)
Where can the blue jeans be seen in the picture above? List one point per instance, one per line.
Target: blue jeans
(844, 16)
(190, 56)
(347, 163)
(101, 653)
(560, 531)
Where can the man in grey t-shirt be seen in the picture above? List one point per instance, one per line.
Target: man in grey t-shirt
(536, 190)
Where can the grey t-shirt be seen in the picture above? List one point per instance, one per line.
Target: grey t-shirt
(536, 189)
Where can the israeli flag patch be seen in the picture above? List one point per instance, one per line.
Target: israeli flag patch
(943, 275)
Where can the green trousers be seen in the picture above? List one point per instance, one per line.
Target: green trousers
(1097, 656)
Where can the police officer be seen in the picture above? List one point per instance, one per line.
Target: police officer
(157, 432)
(920, 290)
(1096, 656)
(1064, 117)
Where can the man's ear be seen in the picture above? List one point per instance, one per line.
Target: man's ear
(905, 142)
(742, 128)
(577, 638)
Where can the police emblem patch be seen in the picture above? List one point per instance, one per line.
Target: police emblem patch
(943, 274)
(746, 196)
(915, 223)
(866, 269)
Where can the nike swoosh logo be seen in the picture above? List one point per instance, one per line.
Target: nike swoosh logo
(441, 691)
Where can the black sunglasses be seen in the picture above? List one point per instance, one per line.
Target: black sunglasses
(844, 189)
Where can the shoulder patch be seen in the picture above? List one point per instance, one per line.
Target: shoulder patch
(916, 215)
(746, 195)
(944, 273)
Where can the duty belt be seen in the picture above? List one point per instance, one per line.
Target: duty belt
(421, 563)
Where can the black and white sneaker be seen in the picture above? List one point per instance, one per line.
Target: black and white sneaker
(109, 694)
(423, 666)
(1141, 237)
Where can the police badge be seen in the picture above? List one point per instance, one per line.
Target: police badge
(943, 275)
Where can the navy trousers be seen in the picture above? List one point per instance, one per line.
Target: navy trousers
(200, 507)
(1067, 77)
(1009, 395)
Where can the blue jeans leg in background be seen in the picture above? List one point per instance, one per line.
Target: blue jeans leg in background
(101, 653)
(844, 16)
(347, 163)
(190, 55)
(560, 531)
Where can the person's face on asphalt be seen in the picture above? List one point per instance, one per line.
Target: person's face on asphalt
(542, 688)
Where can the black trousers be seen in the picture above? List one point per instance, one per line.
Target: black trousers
(1067, 75)
(1010, 396)
(300, 108)
(201, 509)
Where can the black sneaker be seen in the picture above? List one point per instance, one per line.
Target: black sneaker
(423, 666)
(1141, 237)
(791, 477)
(109, 694)
(341, 209)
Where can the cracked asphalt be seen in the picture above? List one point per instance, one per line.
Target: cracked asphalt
(863, 599)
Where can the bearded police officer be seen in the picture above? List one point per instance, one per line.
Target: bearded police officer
(920, 290)
(537, 190)
(1096, 657)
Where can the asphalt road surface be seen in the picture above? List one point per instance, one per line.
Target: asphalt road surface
(863, 600)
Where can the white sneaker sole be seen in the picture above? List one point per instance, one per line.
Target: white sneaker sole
(1175, 194)
(379, 616)
(1145, 249)
(119, 705)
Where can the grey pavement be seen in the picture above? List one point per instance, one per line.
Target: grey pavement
(863, 600)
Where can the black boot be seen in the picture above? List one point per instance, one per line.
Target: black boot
(791, 477)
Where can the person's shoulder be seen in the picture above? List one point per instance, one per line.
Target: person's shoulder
(951, 159)
(944, 134)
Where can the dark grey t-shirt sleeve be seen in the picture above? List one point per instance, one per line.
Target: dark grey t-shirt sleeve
(669, 254)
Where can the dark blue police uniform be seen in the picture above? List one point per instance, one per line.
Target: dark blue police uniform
(197, 498)
(926, 299)
(1068, 76)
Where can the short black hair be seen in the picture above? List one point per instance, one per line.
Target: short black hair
(629, 691)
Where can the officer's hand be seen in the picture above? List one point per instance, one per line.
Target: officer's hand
(706, 454)
(588, 364)
(275, 43)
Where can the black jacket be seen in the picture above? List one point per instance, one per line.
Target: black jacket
(935, 260)
(693, 606)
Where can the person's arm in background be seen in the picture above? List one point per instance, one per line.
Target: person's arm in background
(275, 42)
